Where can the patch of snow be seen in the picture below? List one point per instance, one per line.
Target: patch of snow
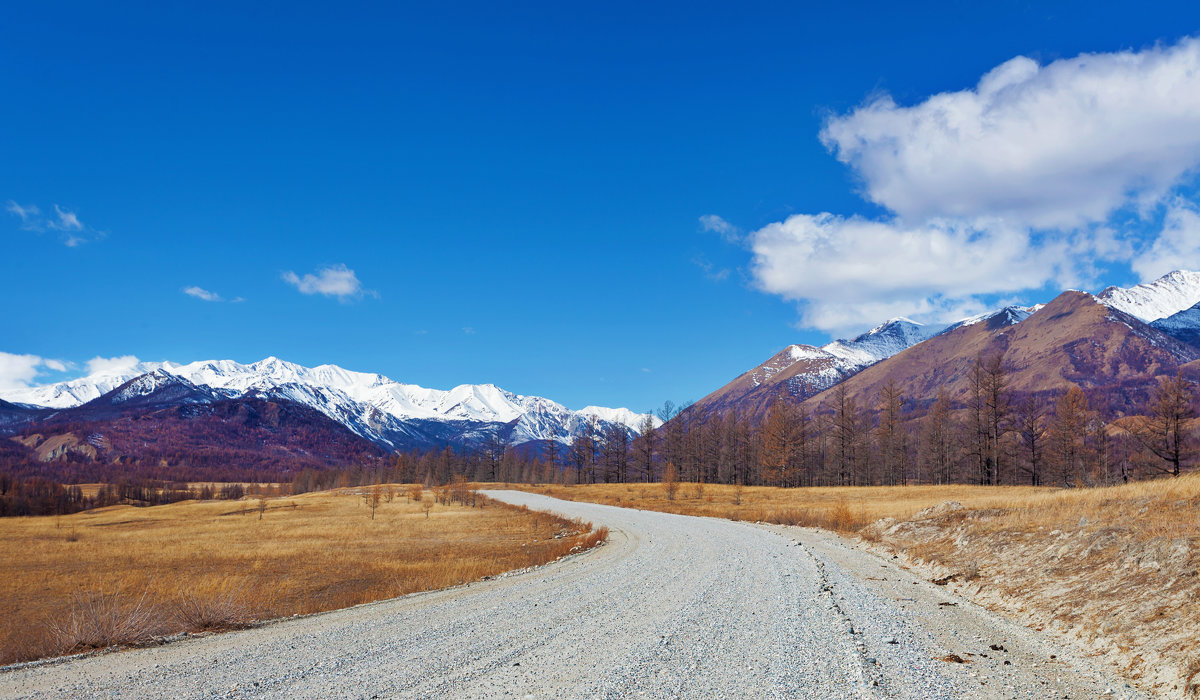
(1150, 301)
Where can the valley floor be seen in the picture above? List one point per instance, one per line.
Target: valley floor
(673, 606)
(125, 574)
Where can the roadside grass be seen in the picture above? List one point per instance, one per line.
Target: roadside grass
(840, 508)
(1116, 568)
(122, 575)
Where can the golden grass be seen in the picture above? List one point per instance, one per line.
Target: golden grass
(1117, 567)
(122, 573)
(843, 508)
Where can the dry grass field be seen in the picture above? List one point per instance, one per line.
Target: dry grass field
(1117, 569)
(123, 574)
(845, 509)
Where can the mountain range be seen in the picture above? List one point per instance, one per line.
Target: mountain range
(386, 413)
(1122, 337)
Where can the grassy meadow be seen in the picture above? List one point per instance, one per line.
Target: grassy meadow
(124, 574)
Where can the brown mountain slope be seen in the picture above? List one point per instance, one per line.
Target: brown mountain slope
(1073, 339)
(798, 372)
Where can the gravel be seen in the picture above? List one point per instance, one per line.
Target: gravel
(672, 606)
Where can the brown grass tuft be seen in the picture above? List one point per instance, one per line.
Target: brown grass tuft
(97, 619)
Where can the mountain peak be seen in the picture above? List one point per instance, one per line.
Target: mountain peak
(1151, 301)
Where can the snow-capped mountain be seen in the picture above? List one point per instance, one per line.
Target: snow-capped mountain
(884, 340)
(1008, 316)
(384, 411)
(802, 371)
(1151, 301)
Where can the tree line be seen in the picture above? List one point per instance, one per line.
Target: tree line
(992, 435)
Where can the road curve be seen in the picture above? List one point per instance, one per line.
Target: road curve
(672, 606)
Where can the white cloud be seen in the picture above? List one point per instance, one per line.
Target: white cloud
(851, 272)
(19, 371)
(28, 214)
(1176, 247)
(74, 232)
(1037, 175)
(711, 272)
(715, 224)
(332, 281)
(1055, 146)
(65, 220)
(111, 365)
(467, 330)
(204, 294)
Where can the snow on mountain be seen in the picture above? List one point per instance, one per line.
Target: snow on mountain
(371, 405)
(81, 390)
(1184, 325)
(1009, 315)
(880, 342)
(1151, 301)
(624, 416)
(842, 356)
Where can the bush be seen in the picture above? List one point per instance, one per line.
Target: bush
(100, 619)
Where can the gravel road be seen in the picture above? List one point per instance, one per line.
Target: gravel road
(672, 606)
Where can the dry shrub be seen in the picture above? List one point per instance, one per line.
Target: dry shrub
(98, 619)
(842, 519)
(220, 607)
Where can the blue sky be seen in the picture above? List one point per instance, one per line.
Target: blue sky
(608, 205)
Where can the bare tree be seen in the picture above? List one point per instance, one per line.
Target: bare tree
(373, 498)
(645, 448)
(1031, 427)
(776, 449)
(890, 434)
(847, 436)
(939, 440)
(670, 480)
(1071, 417)
(1164, 433)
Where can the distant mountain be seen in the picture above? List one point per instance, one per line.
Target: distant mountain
(1170, 304)
(164, 427)
(801, 371)
(1075, 339)
(1151, 301)
(388, 413)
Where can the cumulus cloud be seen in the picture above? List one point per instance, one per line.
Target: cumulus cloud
(1036, 175)
(849, 272)
(332, 281)
(1054, 146)
(112, 365)
(1176, 247)
(715, 224)
(20, 371)
(204, 294)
